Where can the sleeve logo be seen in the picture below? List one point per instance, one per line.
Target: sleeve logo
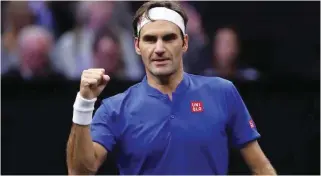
(251, 122)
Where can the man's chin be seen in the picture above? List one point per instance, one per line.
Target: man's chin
(162, 73)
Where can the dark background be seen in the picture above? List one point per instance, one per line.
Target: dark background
(281, 39)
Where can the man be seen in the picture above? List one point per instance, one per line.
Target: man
(171, 122)
(17, 15)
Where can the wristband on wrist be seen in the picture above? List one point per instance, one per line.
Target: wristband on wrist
(83, 110)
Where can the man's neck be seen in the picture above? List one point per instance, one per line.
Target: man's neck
(166, 84)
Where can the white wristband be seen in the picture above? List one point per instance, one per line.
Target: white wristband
(83, 110)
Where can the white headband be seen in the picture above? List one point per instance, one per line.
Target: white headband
(162, 13)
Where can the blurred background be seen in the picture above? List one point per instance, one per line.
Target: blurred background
(270, 50)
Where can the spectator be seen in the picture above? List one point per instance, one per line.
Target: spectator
(123, 18)
(225, 58)
(194, 57)
(107, 53)
(74, 48)
(34, 46)
(118, 14)
(99, 13)
(17, 16)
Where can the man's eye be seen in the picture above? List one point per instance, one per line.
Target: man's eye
(150, 39)
(169, 37)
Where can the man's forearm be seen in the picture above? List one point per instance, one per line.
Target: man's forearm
(80, 151)
(264, 170)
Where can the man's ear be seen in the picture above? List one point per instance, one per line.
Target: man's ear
(185, 46)
(137, 46)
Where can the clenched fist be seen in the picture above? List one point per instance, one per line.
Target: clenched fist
(93, 82)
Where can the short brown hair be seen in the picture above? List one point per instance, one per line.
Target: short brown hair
(151, 4)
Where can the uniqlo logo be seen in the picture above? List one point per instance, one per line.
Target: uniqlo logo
(197, 106)
(251, 122)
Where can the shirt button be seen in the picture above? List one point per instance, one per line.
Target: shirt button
(172, 116)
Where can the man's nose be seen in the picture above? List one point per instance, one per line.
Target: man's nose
(160, 49)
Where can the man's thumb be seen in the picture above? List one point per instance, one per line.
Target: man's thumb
(106, 79)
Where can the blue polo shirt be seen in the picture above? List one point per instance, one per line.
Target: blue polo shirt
(190, 134)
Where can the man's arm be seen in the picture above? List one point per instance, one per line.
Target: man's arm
(256, 159)
(243, 130)
(83, 155)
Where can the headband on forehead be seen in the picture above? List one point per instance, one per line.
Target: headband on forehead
(162, 13)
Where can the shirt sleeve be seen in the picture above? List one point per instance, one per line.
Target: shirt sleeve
(241, 125)
(104, 127)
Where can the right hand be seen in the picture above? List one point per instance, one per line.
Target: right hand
(93, 82)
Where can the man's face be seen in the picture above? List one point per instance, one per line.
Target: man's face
(161, 47)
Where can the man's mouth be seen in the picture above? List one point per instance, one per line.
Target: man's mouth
(161, 61)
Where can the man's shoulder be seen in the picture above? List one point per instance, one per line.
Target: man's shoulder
(119, 98)
(199, 81)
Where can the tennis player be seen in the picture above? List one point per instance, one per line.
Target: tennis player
(171, 122)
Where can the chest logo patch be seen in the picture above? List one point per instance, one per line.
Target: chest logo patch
(197, 106)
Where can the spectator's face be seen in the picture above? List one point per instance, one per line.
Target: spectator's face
(82, 12)
(99, 13)
(225, 47)
(107, 55)
(161, 47)
(35, 53)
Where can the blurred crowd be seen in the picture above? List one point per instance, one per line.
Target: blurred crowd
(102, 37)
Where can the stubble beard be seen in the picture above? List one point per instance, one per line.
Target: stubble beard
(162, 76)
